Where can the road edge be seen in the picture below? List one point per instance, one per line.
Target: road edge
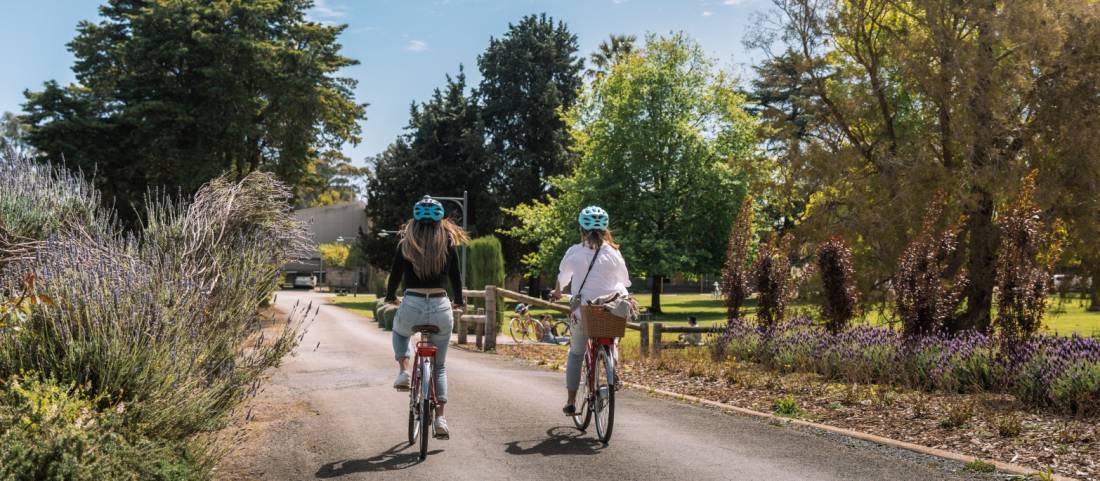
(940, 453)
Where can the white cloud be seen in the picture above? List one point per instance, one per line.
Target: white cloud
(707, 13)
(416, 46)
(733, 2)
(616, 2)
(321, 9)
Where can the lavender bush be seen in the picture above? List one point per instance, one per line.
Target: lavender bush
(1046, 371)
(164, 320)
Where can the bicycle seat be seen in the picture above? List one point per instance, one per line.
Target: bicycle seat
(426, 329)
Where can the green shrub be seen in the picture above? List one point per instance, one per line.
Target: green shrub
(49, 431)
(1077, 390)
(163, 320)
(786, 406)
(979, 466)
(485, 267)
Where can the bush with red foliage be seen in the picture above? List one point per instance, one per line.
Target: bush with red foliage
(925, 297)
(736, 273)
(840, 296)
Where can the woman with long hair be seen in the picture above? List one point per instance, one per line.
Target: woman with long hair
(593, 268)
(426, 259)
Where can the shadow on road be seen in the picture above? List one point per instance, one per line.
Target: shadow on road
(392, 459)
(561, 440)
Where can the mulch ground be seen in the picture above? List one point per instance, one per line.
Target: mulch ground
(991, 426)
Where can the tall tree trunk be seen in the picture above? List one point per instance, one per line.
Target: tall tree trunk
(982, 233)
(1094, 286)
(655, 295)
(981, 267)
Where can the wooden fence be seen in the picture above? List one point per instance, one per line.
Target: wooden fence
(485, 332)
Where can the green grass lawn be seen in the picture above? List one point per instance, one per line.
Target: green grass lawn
(363, 304)
(1065, 316)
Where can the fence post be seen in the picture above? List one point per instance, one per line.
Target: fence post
(490, 318)
(461, 327)
(643, 343)
(658, 331)
(479, 329)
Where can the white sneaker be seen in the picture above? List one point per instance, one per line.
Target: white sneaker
(440, 428)
(402, 381)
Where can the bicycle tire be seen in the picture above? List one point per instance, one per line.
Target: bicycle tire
(414, 423)
(532, 330)
(561, 328)
(515, 326)
(425, 425)
(584, 411)
(605, 395)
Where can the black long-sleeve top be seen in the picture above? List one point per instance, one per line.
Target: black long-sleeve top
(403, 269)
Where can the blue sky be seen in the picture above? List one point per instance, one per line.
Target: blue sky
(405, 47)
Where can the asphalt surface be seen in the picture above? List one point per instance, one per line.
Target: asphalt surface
(343, 420)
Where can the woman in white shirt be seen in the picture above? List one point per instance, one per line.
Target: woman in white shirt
(594, 268)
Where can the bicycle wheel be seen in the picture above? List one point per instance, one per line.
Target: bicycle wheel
(414, 423)
(584, 411)
(414, 407)
(532, 331)
(515, 329)
(605, 395)
(561, 328)
(425, 425)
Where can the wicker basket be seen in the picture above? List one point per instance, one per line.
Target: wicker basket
(598, 322)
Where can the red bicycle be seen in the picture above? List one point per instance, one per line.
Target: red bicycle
(422, 400)
(598, 385)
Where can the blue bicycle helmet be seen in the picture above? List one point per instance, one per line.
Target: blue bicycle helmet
(428, 209)
(593, 218)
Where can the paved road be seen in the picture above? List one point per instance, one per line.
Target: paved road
(344, 421)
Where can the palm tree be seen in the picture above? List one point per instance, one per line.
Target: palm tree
(610, 52)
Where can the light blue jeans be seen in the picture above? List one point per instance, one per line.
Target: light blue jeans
(578, 343)
(415, 311)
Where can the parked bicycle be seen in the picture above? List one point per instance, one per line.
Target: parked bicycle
(422, 397)
(524, 327)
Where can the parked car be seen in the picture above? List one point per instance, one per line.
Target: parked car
(305, 282)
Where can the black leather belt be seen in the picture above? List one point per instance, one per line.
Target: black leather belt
(427, 296)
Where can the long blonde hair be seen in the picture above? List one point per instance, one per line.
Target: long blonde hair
(595, 238)
(424, 244)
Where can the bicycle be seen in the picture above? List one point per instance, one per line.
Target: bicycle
(599, 384)
(422, 398)
(522, 327)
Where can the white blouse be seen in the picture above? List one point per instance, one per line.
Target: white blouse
(609, 274)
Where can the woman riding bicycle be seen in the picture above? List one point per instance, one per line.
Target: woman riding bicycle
(426, 258)
(595, 268)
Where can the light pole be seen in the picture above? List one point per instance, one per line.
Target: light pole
(462, 203)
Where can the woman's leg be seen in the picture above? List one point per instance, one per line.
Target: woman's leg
(444, 319)
(577, 345)
(401, 350)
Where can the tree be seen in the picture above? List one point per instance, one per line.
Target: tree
(443, 148)
(333, 181)
(610, 52)
(335, 255)
(13, 133)
(172, 94)
(529, 76)
(906, 98)
(655, 139)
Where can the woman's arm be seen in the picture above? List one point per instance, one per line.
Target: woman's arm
(565, 270)
(396, 271)
(455, 275)
(621, 273)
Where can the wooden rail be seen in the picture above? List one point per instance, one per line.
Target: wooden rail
(659, 329)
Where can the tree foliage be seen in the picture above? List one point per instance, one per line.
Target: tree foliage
(655, 138)
(529, 76)
(873, 105)
(173, 94)
(610, 52)
(442, 149)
